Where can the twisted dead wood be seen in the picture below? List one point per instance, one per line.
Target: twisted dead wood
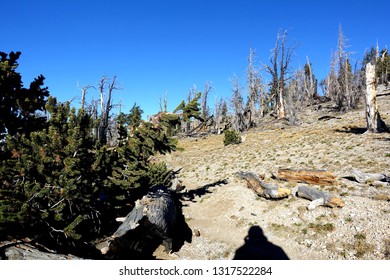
(261, 188)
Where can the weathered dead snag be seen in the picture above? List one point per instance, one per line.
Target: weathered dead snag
(316, 177)
(318, 198)
(374, 122)
(261, 188)
(151, 221)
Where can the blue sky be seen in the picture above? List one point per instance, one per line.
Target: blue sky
(156, 47)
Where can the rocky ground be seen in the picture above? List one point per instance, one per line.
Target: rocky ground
(229, 218)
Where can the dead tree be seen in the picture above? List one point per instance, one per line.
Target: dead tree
(242, 117)
(255, 89)
(84, 90)
(261, 188)
(310, 82)
(295, 96)
(373, 118)
(106, 87)
(280, 60)
(342, 86)
(163, 102)
(205, 95)
(217, 115)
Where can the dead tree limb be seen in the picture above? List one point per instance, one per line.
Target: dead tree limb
(262, 188)
(318, 198)
(200, 125)
(317, 177)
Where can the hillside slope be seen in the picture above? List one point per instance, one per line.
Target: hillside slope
(226, 215)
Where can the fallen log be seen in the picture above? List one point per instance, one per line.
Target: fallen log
(261, 188)
(21, 250)
(363, 178)
(318, 198)
(316, 177)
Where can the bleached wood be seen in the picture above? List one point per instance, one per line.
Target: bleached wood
(318, 198)
(262, 188)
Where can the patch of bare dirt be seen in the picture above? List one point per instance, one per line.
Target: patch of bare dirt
(224, 218)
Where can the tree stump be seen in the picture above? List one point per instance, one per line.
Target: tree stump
(152, 220)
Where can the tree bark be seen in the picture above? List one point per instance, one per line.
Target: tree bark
(317, 177)
(153, 217)
(374, 121)
(262, 188)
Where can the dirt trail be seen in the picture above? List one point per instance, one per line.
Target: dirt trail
(223, 216)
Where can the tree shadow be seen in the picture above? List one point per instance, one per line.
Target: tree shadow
(201, 191)
(257, 247)
(352, 130)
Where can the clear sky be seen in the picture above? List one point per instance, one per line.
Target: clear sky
(157, 47)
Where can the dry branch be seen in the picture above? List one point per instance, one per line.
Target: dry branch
(318, 198)
(262, 188)
(317, 177)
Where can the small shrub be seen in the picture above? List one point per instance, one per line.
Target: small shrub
(322, 228)
(231, 137)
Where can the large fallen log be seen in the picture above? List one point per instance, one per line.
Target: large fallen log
(316, 177)
(261, 188)
(318, 198)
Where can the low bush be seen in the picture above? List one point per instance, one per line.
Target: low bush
(231, 137)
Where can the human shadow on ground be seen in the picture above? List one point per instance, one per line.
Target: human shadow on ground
(257, 247)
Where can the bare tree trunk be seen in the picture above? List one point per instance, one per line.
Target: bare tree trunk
(217, 115)
(84, 90)
(205, 107)
(280, 109)
(164, 103)
(252, 77)
(105, 106)
(374, 121)
(279, 70)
